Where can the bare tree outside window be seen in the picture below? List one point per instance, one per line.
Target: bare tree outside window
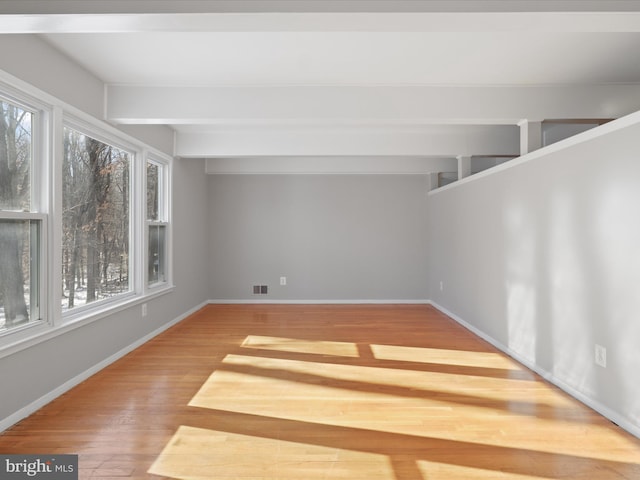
(96, 213)
(153, 191)
(157, 227)
(15, 196)
(95, 224)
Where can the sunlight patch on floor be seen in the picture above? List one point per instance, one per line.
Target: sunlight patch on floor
(395, 413)
(444, 471)
(202, 454)
(297, 345)
(444, 357)
(354, 382)
(407, 402)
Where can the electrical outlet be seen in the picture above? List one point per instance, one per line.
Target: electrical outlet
(441, 286)
(601, 356)
(144, 309)
(283, 280)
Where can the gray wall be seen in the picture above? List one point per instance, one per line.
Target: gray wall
(335, 237)
(30, 374)
(543, 257)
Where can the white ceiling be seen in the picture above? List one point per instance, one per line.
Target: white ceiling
(412, 62)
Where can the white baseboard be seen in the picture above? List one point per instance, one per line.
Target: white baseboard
(68, 385)
(252, 301)
(603, 410)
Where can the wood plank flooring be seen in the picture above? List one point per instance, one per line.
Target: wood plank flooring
(324, 392)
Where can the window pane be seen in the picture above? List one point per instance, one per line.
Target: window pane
(157, 253)
(19, 276)
(153, 191)
(95, 220)
(15, 157)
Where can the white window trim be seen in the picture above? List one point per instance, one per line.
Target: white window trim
(155, 285)
(165, 218)
(53, 115)
(33, 326)
(39, 203)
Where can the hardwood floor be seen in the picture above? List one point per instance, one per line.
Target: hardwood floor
(324, 392)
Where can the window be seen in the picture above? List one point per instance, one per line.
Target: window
(157, 223)
(84, 218)
(95, 220)
(20, 223)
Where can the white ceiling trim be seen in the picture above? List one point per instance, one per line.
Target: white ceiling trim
(540, 22)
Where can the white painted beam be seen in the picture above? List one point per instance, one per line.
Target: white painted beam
(438, 141)
(432, 181)
(464, 166)
(538, 22)
(333, 165)
(319, 6)
(332, 105)
(530, 136)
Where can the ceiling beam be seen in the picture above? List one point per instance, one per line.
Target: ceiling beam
(330, 165)
(123, 16)
(317, 6)
(398, 21)
(365, 105)
(434, 141)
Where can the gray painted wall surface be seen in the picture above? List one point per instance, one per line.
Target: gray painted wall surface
(335, 237)
(32, 373)
(543, 257)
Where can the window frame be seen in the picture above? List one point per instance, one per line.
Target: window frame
(41, 284)
(96, 133)
(164, 220)
(50, 117)
(39, 174)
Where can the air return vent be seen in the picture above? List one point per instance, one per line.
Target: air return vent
(260, 289)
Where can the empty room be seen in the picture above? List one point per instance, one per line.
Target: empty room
(320, 239)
